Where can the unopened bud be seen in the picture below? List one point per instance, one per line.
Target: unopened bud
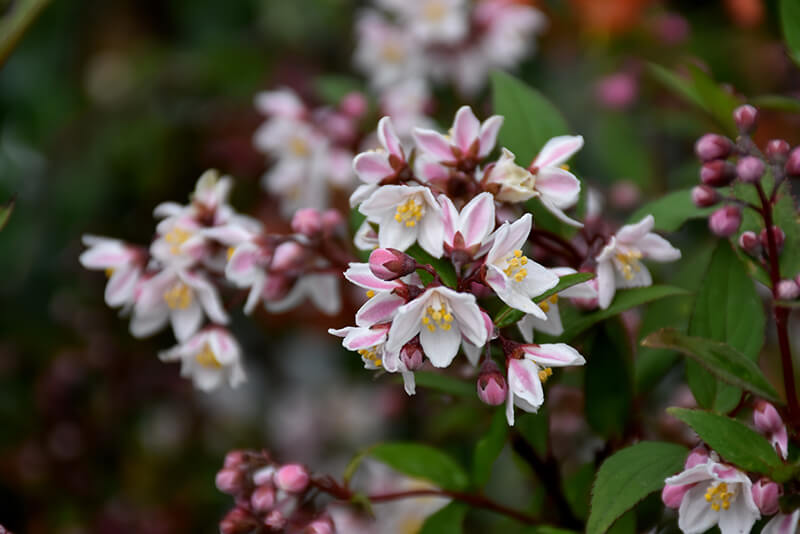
(725, 221)
(704, 196)
(230, 481)
(331, 220)
(391, 264)
(712, 146)
(354, 104)
(793, 163)
(492, 388)
(765, 495)
(717, 173)
(750, 169)
(263, 476)
(777, 150)
(234, 459)
(263, 499)
(766, 418)
(411, 355)
(287, 256)
(321, 525)
(293, 478)
(788, 290)
(275, 520)
(307, 221)
(749, 241)
(777, 235)
(672, 496)
(745, 118)
(237, 521)
(696, 457)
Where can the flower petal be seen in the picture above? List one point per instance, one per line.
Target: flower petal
(361, 275)
(553, 354)
(558, 150)
(477, 219)
(694, 514)
(630, 234)
(606, 284)
(372, 167)
(434, 144)
(523, 379)
(378, 309)
(388, 137)
(488, 134)
(186, 321)
(466, 128)
(324, 292)
(657, 248)
(406, 323)
(558, 186)
(440, 345)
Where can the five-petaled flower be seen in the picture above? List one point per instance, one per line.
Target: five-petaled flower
(210, 358)
(469, 141)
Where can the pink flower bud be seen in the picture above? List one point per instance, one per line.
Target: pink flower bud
(778, 235)
(263, 499)
(287, 256)
(230, 481)
(263, 476)
(673, 495)
(275, 520)
(354, 104)
(411, 355)
(237, 521)
(307, 221)
(234, 459)
(765, 495)
(712, 146)
(617, 91)
(766, 418)
(331, 220)
(704, 196)
(717, 173)
(391, 264)
(793, 163)
(725, 221)
(321, 525)
(788, 290)
(750, 169)
(749, 241)
(745, 117)
(293, 478)
(696, 457)
(492, 388)
(777, 150)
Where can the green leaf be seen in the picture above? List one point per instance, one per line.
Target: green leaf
(508, 315)
(333, 88)
(735, 442)
(535, 428)
(720, 359)
(15, 23)
(577, 490)
(530, 119)
(676, 84)
(448, 520)
(488, 449)
(629, 476)
(6, 210)
(790, 22)
(727, 309)
(444, 383)
(442, 266)
(624, 300)
(777, 102)
(671, 211)
(422, 461)
(608, 383)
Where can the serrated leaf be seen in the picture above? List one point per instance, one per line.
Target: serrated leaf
(736, 443)
(422, 461)
(719, 358)
(671, 211)
(488, 449)
(629, 476)
(624, 300)
(444, 383)
(442, 266)
(790, 23)
(508, 315)
(448, 520)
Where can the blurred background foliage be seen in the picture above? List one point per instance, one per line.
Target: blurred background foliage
(108, 108)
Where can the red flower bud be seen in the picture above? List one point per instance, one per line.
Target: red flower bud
(237, 521)
(717, 173)
(777, 150)
(765, 495)
(704, 196)
(234, 459)
(712, 146)
(725, 221)
(263, 499)
(492, 388)
(745, 118)
(750, 169)
(391, 264)
(321, 525)
(793, 163)
(749, 241)
(411, 355)
(230, 481)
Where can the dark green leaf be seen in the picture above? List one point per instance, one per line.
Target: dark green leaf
(422, 461)
(676, 84)
(608, 381)
(508, 315)
(442, 266)
(488, 449)
(723, 360)
(448, 520)
(671, 211)
(530, 119)
(629, 476)
(577, 489)
(790, 22)
(444, 383)
(624, 300)
(719, 103)
(777, 102)
(735, 442)
(535, 428)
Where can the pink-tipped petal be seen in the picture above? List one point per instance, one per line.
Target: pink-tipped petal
(388, 137)
(554, 354)
(632, 233)
(435, 144)
(558, 150)
(372, 167)
(466, 128)
(488, 134)
(477, 219)
(559, 186)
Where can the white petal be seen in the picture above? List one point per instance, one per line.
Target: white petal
(657, 248)
(324, 292)
(488, 134)
(641, 278)
(121, 285)
(558, 150)
(388, 137)
(378, 309)
(434, 144)
(695, 515)
(361, 275)
(431, 233)
(553, 355)
(477, 219)
(186, 321)
(606, 285)
(440, 346)
(372, 167)
(560, 215)
(558, 186)
(631, 233)
(406, 323)
(466, 128)
(394, 234)
(523, 378)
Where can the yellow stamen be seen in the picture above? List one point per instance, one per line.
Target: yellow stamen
(629, 263)
(439, 317)
(564, 166)
(109, 272)
(370, 293)
(371, 355)
(545, 373)
(207, 358)
(177, 237)
(179, 296)
(545, 306)
(718, 496)
(299, 147)
(514, 266)
(231, 250)
(409, 212)
(434, 11)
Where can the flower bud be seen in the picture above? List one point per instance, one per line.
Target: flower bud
(391, 264)
(788, 290)
(230, 481)
(778, 235)
(766, 418)
(237, 521)
(332, 219)
(263, 499)
(745, 118)
(293, 478)
(321, 525)
(725, 221)
(275, 520)
(307, 221)
(704, 196)
(234, 459)
(263, 476)
(411, 355)
(777, 150)
(750, 169)
(749, 241)
(696, 457)
(717, 173)
(793, 163)
(287, 256)
(765, 495)
(712, 146)
(492, 388)
(673, 495)
(354, 104)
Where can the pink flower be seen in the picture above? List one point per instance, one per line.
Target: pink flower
(123, 264)
(210, 358)
(376, 165)
(769, 422)
(470, 139)
(467, 231)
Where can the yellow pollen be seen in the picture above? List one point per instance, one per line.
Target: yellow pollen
(177, 237)
(299, 147)
(545, 306)
(553, 299)
(371, 355)
(178, 296)
(564, 166)
(718, 496)
(109, 272)
(409, 212)
(545, 373)
(230, 252)
(207, 358)
(629, 262)
(370, 293)
(437, 317)
(514, 268)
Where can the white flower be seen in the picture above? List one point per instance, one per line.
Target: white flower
(469, 229)
(322, 289)
(782, 524)
(366, 237)
(210, 357)
(557, 188)
(382, 302)
(406, 214)
(527, 373)
(385, 52)
(247, 268)
(720, 495)
(434, 21)
(122, 263)
(515, 278)
(469, 138)
(441, 317)
(373, 166)
(619, 265)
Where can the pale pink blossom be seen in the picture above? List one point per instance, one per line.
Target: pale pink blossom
(210, 358)
(385, 52)
(373, 166)
(469, 138)
(123, 263)
(467, 230)
(782, 524)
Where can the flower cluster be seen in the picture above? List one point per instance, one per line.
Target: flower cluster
(464, 212)
(709, 492)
